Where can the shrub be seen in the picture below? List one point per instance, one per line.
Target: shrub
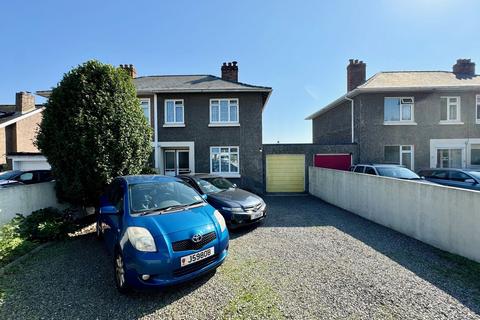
(93, 130)
(12, 244)
(46, 225)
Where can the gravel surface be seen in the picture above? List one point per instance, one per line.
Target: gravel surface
(309, 260)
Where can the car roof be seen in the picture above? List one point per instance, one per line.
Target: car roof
(380, 165)
(135, 179)
(199, 175)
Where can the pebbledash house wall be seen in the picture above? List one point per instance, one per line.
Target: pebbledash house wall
(247, 136)
(372, 135)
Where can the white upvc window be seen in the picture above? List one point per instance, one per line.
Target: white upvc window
(224, 112)
(398, 110)
(478, 109)
(450, 110)
(145, 105)
(224, 161)
(402, 155)
(174, 112)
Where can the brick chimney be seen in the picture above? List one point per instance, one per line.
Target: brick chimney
(356, 74)
(130, 69)
(24, 102)
(230, 71)
(464, 68)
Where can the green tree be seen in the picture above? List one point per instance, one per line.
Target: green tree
(93, 130)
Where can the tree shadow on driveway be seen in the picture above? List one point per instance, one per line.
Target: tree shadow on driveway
(74, 280)
(457, 276)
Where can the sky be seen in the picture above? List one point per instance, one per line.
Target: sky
(299, 48)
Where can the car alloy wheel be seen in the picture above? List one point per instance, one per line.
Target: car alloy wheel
(120, 279)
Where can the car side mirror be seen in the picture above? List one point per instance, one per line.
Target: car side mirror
(472, 181)
(108, 210)
(204, 196)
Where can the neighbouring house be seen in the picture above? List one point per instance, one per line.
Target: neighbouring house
(18, 129)
(419, 119)
(204, 124)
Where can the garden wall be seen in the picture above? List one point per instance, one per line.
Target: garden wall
(444, 217)
(25, 199)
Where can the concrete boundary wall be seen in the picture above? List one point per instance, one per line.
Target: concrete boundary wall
(444, 217)
(25, 199)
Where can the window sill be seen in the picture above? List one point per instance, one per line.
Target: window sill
(226, 175)
(450, 122)
(174, 125)
(224, 124)
(399, 123)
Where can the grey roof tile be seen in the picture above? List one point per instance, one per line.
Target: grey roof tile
(191, 83)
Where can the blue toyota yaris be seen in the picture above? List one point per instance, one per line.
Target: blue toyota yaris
(160, 232)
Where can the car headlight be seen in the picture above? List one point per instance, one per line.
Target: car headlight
(220, 219)
(232, 209)
(141, 239)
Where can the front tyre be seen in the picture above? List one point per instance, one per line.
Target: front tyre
(120, 278)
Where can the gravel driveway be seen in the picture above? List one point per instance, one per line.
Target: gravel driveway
(309, 260)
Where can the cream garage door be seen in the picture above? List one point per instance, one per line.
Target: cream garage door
(285, 172)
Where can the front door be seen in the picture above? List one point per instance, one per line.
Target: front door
(176, 162)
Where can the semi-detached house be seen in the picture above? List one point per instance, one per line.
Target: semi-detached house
(204, 124)
(419, 119)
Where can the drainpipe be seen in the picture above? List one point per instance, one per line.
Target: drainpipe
(155, 134)
(353, 121)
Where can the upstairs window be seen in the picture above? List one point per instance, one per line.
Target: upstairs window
(450, 109)
(145, 105)
(224, 111)
(174, 112)
(398, 109)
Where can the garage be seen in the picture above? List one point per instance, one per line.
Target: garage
(285, 172)
(28, 161)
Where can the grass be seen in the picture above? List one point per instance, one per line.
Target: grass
(253, 297)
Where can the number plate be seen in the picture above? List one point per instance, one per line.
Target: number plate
(256, 215)
(192, 258)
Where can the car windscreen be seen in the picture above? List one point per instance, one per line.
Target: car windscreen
(220, 183)
(397, 172)
(8, 175)
(161, 195)
(206, 186)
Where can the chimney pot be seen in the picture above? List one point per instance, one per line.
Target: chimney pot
(130, 68)
(230, 71)
(356, 74)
